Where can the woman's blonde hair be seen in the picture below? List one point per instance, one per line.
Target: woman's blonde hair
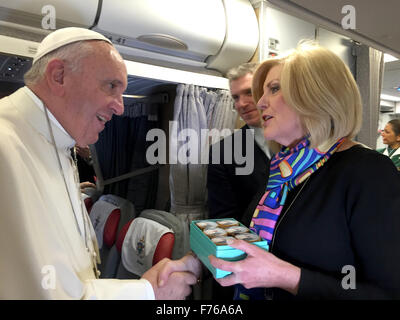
(319, 86)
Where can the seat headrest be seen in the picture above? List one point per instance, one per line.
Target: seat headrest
(140, 244)
(111, 228)
(99, 214)
(164, 247)
(88, 204)
(121, 236)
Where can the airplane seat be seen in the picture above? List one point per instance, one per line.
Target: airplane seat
(110, 266)
(128, 211)
(121, 236)
(141, 244)
(109, 238)
(164, 247)
(88, 204)
(114, 258)
(89, 197)
(108, 215)
(111, 228)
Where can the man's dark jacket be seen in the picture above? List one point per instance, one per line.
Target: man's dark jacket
(229, 194)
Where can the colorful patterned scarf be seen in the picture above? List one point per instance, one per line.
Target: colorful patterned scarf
(288, 168)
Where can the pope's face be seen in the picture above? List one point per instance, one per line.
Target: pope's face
(94, 93)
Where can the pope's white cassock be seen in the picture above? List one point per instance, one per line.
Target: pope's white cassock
(42, 231)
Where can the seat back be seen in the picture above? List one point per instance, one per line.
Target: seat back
(164, 247)
(88, 204)
(89, 197)
(128, 211)
(113, 261)
(143, 243)
(110, 231)
(99, 214)
(178, 226)
(108, 215)
(120, 271)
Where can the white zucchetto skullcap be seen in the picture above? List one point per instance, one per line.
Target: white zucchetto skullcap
(64, 36)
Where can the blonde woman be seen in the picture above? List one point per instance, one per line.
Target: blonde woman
(333, 232)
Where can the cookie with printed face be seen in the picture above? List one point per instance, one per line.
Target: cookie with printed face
(249, 237)
(232, 231)
(227, 223)
(221, 241)
(215, 232)
(206, 224)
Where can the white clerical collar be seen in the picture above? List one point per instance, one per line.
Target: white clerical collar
(34, 111)
(260, 140)
(40, 105)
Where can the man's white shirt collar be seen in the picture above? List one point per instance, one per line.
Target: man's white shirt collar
(260, 140)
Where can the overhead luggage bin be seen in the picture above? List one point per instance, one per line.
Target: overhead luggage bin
(374, 21)
(29, 15)
(208, 36)
(213, 34)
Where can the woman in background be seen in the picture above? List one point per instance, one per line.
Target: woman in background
(391, 137)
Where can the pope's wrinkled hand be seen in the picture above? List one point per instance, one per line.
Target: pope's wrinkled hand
(172, 279)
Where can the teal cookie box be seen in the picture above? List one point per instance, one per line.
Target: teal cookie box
(202, 246)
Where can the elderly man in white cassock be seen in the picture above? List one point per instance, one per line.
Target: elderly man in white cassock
(47, 244)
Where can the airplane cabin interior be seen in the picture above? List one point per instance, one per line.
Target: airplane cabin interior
(177, 54)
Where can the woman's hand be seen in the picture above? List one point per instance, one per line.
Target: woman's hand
(259, 269)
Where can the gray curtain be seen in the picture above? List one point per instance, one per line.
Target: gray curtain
(198, 109)
(223, 115)
(369, 77)
(121, 149)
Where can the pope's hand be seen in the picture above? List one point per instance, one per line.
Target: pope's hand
(172, 279)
